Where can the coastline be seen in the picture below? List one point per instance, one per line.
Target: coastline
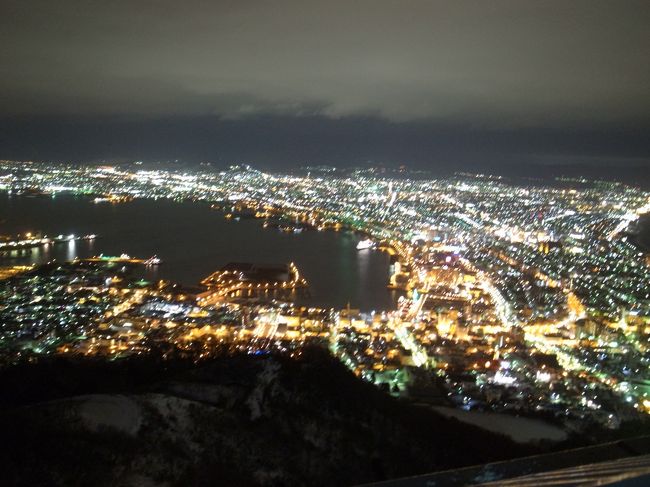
(194, 240)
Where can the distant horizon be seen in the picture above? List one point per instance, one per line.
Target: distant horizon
(286, 142)
(631, 174)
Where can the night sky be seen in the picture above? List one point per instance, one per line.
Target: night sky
(430, 84)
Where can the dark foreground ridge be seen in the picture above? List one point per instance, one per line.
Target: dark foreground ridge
(236, 420)
(622, 463)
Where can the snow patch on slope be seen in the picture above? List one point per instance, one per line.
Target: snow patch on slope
(113, 411)
(521, 430)
(266, 386)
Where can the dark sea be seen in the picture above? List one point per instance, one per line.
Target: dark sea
(194, 240)
(644, 231)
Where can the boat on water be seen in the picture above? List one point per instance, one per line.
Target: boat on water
(290, 229)
(366, 244)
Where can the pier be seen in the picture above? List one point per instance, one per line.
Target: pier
(29, 241)
(250, 280)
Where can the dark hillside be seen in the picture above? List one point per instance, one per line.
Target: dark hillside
(238, 420)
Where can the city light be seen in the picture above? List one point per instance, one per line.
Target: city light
(515, 299)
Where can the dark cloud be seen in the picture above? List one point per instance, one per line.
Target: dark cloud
(508, 62)
(575, 67)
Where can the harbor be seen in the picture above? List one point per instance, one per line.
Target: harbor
(191, 239)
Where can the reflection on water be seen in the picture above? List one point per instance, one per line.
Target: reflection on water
(71, 251)
(193, 241)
